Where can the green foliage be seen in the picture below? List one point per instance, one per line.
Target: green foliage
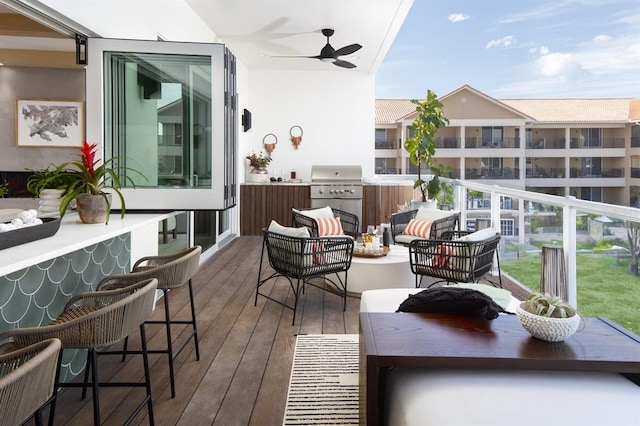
(547, 305)
(422, 146)
(4, 189)
(52, 177)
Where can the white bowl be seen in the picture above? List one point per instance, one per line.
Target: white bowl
(546, 328)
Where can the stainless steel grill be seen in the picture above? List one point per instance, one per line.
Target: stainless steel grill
(339, 187)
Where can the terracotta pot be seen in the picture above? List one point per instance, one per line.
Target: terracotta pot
(93, 208)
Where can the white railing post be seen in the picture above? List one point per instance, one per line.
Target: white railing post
(569, 231)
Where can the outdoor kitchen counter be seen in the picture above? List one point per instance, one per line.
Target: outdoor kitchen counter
(261, 203)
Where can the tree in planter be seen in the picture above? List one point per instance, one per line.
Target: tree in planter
(421, 146)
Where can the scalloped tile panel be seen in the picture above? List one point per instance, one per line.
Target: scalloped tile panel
(36, 295)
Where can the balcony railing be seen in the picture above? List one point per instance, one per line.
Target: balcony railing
(545, 172)
(597, 143)
(387, 144)
(546, 143)
(612, 172)
(561, 214)
(492, 173)
(479, 143)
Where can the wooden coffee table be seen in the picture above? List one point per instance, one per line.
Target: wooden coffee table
(390, 340)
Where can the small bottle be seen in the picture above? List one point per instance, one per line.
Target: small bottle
(386, 236)
(293, 174)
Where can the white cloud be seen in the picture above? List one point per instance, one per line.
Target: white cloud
(504, 41)
(458, 17)
(601, 38)
(559, 65)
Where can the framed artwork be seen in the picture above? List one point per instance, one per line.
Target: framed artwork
(50, 124)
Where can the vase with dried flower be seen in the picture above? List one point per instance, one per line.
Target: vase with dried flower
(258, 163)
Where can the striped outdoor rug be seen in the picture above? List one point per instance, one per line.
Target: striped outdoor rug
(323, 389)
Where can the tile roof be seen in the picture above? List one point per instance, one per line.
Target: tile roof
(586, 110)
(392, 110)
(573, 110)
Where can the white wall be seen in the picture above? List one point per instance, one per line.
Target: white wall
(335, 110)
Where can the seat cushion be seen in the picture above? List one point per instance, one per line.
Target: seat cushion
(324, 212)
(480, 235)
(406, 239)
(430, 215)
(510, 397)
(288, 230)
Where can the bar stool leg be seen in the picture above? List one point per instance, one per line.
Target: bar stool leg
(147, 375)
(167, 317)
(193, 317)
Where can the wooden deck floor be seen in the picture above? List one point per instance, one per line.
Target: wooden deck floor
(245, 351)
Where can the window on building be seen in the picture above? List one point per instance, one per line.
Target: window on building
(492, 136)
(507, 227)
(591, 137)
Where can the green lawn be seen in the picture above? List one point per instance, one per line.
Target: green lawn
(604, 288)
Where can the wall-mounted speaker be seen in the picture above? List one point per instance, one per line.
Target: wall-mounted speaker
(246, 120)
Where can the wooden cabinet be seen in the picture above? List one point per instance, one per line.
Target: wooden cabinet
(380, 201)
(259, 204)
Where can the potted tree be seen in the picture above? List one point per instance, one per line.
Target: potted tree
(548, 317)
(421, 146)
(88, 185)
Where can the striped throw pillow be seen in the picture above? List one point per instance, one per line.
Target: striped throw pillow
(418, 228)
(329, 226)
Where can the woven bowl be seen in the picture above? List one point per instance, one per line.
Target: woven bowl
(546, 328)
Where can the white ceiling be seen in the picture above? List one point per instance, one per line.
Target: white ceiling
(254, 30)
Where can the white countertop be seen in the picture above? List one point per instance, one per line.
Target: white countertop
(73, 235)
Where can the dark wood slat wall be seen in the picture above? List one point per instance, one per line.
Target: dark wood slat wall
(380, 201)
(259, 204)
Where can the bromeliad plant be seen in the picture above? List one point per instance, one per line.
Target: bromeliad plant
(547, 305)
(88, 177)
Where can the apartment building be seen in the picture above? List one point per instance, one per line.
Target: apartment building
(586, 148)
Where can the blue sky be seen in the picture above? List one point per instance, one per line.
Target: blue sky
(514, 49)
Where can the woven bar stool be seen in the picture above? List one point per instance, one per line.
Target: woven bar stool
(27, 381)
(93, 321)
(171, 271)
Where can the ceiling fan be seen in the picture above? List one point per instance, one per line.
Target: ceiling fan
(329, 54)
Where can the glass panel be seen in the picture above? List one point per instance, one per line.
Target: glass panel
(159, 107)
(205, 228)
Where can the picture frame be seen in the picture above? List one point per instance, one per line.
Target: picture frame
(49, 123)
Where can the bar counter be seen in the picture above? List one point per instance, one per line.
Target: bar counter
(74, 235)
(38, 278)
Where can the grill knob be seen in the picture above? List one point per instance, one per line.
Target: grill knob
(321, 191)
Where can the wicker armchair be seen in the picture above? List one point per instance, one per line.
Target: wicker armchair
(96, 320)
(350, 222)
(27, 381)
(301, 260)
(449, 221)
(447, 260)
(171, 271)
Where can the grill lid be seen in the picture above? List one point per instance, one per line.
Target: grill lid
(336, 174)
